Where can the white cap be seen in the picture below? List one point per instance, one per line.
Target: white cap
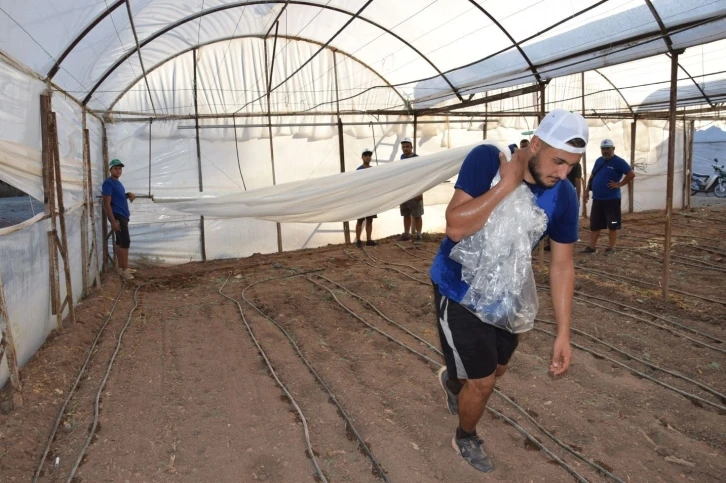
(366, 150)
(607, 143)
(407, 140)
(560, 126)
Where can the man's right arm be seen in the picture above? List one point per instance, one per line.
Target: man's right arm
(465, 214)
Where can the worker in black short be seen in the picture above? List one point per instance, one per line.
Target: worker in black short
(116, 207)
(366, 157)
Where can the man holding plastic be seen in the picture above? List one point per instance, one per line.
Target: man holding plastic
(477, 352)
(368, 220)
(117, 211)
(412, 210)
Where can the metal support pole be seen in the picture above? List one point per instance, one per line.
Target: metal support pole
(7, 344)
(484, 125)
(151, 121)
(199, 158)
(268, 80)
(584, 155)
(686, 184)
(689, 170)
(671, 169)
(341, 144)
(415, 128)
(631, 188)
(541, 252)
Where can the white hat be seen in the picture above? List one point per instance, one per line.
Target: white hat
(560, 126)
(407, 140)
(366, 150)
(607, 143)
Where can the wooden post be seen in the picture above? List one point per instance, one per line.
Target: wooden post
(584, 155)
(104, 220)
(84, 210)
(93, 252)
(50, 198)
(62, 218)
(199, 158)
(689, 172)
(631, 188)
(671, 169)
(8, 348)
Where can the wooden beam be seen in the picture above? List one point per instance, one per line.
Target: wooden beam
(671, 169)
(8, 348)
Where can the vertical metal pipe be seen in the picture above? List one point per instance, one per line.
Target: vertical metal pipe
(151, 120)
(671, 169)
(415, 129)
(584, 155)
(84, 211)
(202, 238)
(685, 186)
(631, 188)
(341, 144)
(268, 80)
(541, 252)
(689, 171)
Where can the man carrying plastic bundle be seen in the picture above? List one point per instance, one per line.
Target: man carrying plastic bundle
(609, 174)
(477, 352)
(412, 210)
(117, 210)
(366, 157)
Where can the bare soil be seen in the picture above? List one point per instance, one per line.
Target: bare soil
(190, 399)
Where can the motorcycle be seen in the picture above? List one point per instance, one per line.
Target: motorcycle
(704, 183)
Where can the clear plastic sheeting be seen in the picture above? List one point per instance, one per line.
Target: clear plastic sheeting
(497, 262)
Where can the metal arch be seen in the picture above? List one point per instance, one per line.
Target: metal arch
(250, 36)
(630, 108)
(109, 10)
(511, 39)
(220, 8)
(669, 44)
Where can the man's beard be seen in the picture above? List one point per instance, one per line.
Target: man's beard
(534, 165)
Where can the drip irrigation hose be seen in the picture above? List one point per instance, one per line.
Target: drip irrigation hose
(62, 409)
(693, 237)
(309, 445)
(372, 327)
(677, 259)
(649, 322)
(420, 339)
(549, 453)
(392, 263)
(378, 469)
(687, 395)
(96, 405)
(386, 268)
(646, 363)
(705, 248)
(412, 254)
(539, 426)
(630, 279)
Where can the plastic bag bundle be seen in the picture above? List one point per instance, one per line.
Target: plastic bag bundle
(497, 262)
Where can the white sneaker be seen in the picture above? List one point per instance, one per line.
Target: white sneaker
(131, 270)
(125, 275)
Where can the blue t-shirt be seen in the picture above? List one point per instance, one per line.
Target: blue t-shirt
(614, 170)
(363, 166)
(413, 155)
(113, 188)
(475, 178)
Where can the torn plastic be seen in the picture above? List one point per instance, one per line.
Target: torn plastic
(497, 262)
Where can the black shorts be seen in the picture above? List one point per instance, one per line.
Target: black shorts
(368, 218)
(605, 214)
(472, 348)
(122, 237)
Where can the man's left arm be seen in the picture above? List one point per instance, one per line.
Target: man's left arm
(562, 286)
